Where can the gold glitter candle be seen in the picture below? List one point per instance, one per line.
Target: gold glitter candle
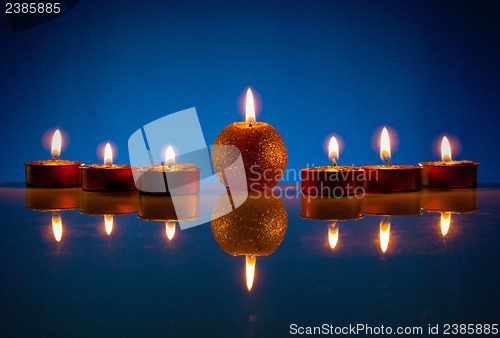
(262, 149)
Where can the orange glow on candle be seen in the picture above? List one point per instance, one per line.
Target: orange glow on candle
(57, 227)
(108, 154)
(250, 271)
(250, 107)
(385, 145)
(445, 149)
(170, 230)
(56, 144)
(169, 155)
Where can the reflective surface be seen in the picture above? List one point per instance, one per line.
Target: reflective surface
(68, 272)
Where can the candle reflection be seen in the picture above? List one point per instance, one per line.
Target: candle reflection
(385, 233)
(255, 228)
(250, 270)
(333, 234)
(108, 224)
(57, 228)
(445, 222)
(170, 230)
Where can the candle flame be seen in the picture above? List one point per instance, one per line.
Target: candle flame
(108, 154)
(445, 222)
(385, 233)
(445, 149)
(333, 235)
(170, 230)
(57, 227)
(250, 107)
(333, 148)
(108, 223)
(56, 144)
(169, 155)
(250, 271)
(385, 145)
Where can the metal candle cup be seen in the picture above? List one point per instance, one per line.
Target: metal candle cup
(395, 204)
(169, 179)
(330, 208)
(53, 173)
(335, 181)
(107, 177)
(52, 199)
(163, 208)
(455, 201)
(449, 174)
(387, 178)
(107, 203)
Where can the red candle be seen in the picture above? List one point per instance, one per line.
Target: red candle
(395, 204)
(385, 178)
(162, 208)
(333, 180)
(169, 178)
(109, 203)
(262, 150)
(107, 176)
(330, 208)
(53, 173)
(447, 173)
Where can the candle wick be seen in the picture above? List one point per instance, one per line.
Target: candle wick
(386, 219)
(385, 158)
(54, 158)
(55, 212)
(334, 162)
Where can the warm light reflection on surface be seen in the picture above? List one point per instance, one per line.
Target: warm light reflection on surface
(250, 107)
(56, 144)
(250, 271)
(108, 223)
(108, 154)
(169, 155)
(333, 235)
(445, 149)
(445, 222)
(57, 227)
(385, 232)
(385, 145)
(333, 148)
(170, 230)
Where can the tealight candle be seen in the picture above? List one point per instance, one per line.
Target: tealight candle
(109, 203)
(169, 177)
(162, 208)
(262, 149)
(52, 199)
(447, 173)
(107, 176)
(53, 173)
(389, 177)
(395, 204)
(332, 180)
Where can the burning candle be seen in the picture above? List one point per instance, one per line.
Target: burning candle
(255, 228)
(448, 173)
(53, 173)
(389, 177)
(262, 150)
(333, 180)
(107, 176)
(169, 177)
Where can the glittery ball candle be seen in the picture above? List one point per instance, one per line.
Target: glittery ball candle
(262, 150)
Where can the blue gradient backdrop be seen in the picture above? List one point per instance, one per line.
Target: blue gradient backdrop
(106, 68)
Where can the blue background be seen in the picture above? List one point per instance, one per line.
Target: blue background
(106, 68)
